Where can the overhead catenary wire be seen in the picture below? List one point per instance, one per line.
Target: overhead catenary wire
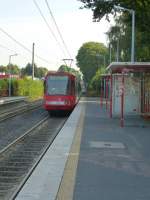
(6, 48)
(22, 45)
(11, 50)
(59, 32)
(50, 29)
(16, 41)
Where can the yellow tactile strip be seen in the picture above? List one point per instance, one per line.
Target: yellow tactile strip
(66, 188)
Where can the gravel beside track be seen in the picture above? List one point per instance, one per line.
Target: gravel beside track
(7, 107)
(19, 161)
(11, 110)
(13, 128)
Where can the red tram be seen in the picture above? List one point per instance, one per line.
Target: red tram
(61, 91)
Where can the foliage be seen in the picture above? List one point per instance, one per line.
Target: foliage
(39, 72)
(91, 56)
(95, 81)
(22, 87)
(27, 71)
(2, 69)
(65, 68)
(13, 69)
(27, 87)
(104, 8)
(3, 87)
(121, 32)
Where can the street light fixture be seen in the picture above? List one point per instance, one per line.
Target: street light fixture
(133, 30)
(9, 89)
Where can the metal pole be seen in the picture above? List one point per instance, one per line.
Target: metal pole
(110, 53)
(117, 54)
(133, 36)
(104, 88)
(122, 102)
(33, 61)
(107, 92)
(9, 83)
(104, 61)
(111, 94)
(101, 93)
(133, 30)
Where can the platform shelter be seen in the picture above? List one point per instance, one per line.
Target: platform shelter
(126, 89)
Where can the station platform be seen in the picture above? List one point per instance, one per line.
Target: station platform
(93, 158)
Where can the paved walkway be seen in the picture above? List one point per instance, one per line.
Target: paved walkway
(114, 162)
(93, 158)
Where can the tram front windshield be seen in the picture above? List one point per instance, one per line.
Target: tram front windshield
(57, 85)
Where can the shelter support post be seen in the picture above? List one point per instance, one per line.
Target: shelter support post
(104, 92)
(122, 102)
(111, 93)
(101, 93)
(107, 92)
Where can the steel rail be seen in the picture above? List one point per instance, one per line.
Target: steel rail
(22, 136)
(17, 166)
(34, 166)
(14, 112)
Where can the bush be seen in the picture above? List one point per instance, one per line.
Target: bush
(27, 87)
(3, 87)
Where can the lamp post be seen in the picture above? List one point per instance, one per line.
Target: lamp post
(133, 30)
(110, 52)
(9, 89)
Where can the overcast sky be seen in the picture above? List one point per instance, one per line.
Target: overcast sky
(21, 19)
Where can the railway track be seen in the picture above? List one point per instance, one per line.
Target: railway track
(19, 159)
(19, 109)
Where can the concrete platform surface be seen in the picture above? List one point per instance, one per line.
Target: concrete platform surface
(45, 180)
(7, 100)
(93, 158)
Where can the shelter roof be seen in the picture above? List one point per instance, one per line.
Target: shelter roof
(125, 67)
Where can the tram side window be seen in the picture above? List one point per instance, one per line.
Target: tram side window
(72, 89)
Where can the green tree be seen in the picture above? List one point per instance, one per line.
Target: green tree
(14, 69)
(3, 69)
(64, 68)
(142, 18)
(27, 71)
(90, 57)
(95, 81)
(39, 72)
(103, 8)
